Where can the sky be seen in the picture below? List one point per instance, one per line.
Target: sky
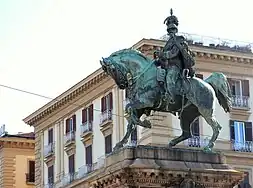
(47, 46)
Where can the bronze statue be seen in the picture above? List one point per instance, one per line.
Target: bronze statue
(190, 96)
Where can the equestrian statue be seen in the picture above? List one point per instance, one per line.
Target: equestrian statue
(167, 83)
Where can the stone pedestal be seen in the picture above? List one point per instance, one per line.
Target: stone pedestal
(152, 166)
(160, 132)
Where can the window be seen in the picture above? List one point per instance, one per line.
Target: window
(107, 102)
(50, 174)
(245, 182)
(241, 135)
(30, 176)
(71, 124)
(239, 87)
(87, 114)
(108, 144)
(199, 76)
(72, 164)
(50, 136)
(134, 136)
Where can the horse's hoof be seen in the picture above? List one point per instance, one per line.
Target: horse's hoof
(207, 149)
(171, 145)
(147, 124)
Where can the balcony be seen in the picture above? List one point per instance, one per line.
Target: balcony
(246, 146)
(86, 131)
(196, 142)
(240, 102)
(68, 179)
(84, 170)
(30, 178)
(105, 117)
(69, 137)
(49, 151)
(106, 120)
(69, 142)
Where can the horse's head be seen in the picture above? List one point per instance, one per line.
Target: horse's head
(123, 64)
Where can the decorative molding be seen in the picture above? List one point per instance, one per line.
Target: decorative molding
(87, 138)
(71, 151)
(152, 177)
(107, 127)
(17, 144)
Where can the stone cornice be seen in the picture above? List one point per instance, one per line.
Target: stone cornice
(22, 144)
(202, 53)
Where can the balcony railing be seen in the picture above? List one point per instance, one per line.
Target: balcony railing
(84, 170)
(50, 185)
(86, 127)
(246, 146)
(196, 141)
(240, 101)
(49, 149)
(70, 137)
(30, 177)
(69, 178)
(105, 116)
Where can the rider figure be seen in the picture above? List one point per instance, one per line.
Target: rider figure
(175, 56)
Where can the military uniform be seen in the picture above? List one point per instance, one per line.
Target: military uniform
(176, 57)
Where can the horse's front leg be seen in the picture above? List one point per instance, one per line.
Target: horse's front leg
(120, 144)
(132, 115)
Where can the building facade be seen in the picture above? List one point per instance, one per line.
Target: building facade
(17, 160)
(75, 131)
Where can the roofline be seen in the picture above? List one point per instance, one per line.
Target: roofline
(64, 94)
(99, 74)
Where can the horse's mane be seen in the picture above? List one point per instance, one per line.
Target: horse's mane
(129, 51)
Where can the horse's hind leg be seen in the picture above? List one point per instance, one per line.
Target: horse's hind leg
(211, 120)
(188, 116)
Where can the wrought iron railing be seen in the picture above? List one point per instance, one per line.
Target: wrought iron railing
(69, 178)
(216, 43)
(246, 146)
(30, 177)
(69, 137)
(49, 149)
(105, 116)
(86, 127)
(240, 101)
(196, 141)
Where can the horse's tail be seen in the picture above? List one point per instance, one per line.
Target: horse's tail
(222, 89)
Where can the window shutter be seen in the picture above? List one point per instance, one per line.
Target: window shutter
(232, 129)
(245, 88)
(51, 174)
(199, 76)
(67, 126)
(50, 136)
(72, 164)
(110, 101)
(102, 104)
(91, 113)
(84, 115)
(74, 122)
(108, 144)
(248, 131)
(88, 155)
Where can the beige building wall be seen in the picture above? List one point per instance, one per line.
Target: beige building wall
(165, 126)
(15, 153)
